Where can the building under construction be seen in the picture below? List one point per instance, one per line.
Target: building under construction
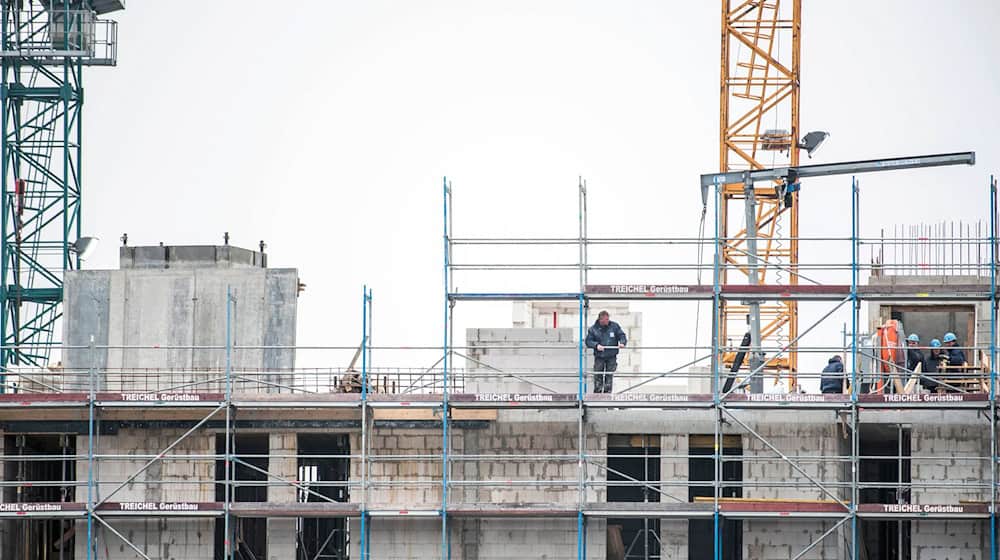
(175, 416)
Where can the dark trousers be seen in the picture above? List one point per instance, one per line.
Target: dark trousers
(603, 367)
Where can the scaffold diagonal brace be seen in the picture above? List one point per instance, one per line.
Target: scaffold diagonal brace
(121, 536)
(162, 454)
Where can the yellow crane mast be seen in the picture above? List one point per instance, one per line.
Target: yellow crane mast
(758, 128)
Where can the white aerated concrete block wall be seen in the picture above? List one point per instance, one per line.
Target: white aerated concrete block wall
(774, 478)
(674, 473)
(394, 538)
(554, 539)
(954, 446)
(409, 483)
(534, 451)
(516, 479)
(480, 539)
(782, 539)
(804, 443)
(530, 361)
(674, 534)
(673, 539)
(958, 539)
(955, 449)
(539, 315)
(169, 480)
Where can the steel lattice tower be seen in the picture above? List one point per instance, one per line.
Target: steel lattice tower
(46, 45)
(759, 128)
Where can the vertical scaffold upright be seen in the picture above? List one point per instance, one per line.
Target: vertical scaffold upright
(46, 45)
(993, 366)
(366, 302)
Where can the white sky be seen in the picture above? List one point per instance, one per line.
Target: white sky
(325, 128)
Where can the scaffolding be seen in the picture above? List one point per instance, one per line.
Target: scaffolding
(368, 402)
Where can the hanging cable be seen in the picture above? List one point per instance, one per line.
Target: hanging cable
(700, 260)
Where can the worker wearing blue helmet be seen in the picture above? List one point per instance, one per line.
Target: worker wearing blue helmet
(914, 356)
(937, 354)
(935, 359)
(956, 356)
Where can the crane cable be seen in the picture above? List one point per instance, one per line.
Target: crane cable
(701, 258)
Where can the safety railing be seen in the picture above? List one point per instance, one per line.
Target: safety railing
(482, 370)
(49, 35)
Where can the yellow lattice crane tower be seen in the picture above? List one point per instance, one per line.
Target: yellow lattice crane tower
(758, 128)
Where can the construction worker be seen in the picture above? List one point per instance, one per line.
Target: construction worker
(956, 356)
(832, 378)
(932, 365)
(914, 356)
(606, 337)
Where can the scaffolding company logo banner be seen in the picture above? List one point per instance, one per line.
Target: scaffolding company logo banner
(647, 397)
(161, 397)
(647, 290)
(790, 397)
(925, 398)
(520, 397)
(159, 506)
(513, 398)
(925, 508)
(37, 507)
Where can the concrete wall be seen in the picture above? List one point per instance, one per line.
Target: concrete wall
(178, 307)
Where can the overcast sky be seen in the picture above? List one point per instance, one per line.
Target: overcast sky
(325, 128)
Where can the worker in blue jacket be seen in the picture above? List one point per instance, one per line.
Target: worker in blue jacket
(956, 356)
(832, 378)
(606, 337)
(932, 365)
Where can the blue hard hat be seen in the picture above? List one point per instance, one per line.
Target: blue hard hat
(935, 343)
(950, 337)
(913, 338)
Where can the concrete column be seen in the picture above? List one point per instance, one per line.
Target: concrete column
(281, 533)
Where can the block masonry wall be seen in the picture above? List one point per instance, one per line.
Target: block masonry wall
(174, 479)
(484, 471)
(414, 484)
(522, 361)
(674, 475)
(553, 314)
(961, 451)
